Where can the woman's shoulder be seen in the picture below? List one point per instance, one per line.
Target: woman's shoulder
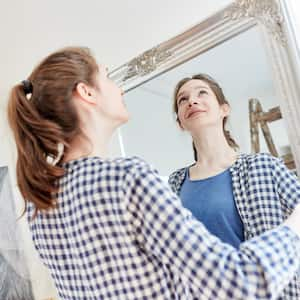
(97, 164)
(260, 159)
(132, 162)
(177, 172)
(177, 177)
(135, 165)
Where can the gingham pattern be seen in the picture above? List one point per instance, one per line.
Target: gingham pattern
(265, 192)
(120, 233)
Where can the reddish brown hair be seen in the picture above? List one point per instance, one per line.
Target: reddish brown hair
(217, 90)
(47, 119)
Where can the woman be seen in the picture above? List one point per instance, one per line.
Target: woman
(236, 196)
(110, 228)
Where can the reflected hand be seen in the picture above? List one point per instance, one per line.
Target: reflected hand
(293, 221)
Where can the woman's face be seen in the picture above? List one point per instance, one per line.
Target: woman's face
(198, 106)
(110, 98)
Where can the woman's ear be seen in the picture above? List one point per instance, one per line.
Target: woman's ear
(85, 93)
(225, 109)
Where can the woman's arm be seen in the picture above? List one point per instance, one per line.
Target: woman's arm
(287, 184)
(260, 269)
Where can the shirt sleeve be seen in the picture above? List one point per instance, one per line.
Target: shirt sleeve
(260, 269)
(288, 185)
(172, 182)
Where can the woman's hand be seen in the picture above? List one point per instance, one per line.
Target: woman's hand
(293, 221)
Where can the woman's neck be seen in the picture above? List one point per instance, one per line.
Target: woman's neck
(213, 152)
(92, 142)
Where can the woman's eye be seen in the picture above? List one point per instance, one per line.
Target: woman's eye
(202, 92)
(181, 100)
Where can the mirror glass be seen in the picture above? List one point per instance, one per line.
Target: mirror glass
(243, 70)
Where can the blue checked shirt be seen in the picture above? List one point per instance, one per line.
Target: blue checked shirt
(265, 193)
(120, 233)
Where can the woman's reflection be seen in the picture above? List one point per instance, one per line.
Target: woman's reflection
(237, 196)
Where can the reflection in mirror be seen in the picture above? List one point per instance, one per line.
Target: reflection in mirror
(250, 58)
(242, 68)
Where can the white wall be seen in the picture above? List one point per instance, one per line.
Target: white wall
(115, 30)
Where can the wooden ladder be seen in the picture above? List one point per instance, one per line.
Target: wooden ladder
(260, 118)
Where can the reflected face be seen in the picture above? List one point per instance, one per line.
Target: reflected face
(198, 106)
(110, 97)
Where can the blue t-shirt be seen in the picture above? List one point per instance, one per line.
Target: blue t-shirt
(211, 201)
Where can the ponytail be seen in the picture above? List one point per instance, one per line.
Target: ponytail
(36, 138)
(43, 117)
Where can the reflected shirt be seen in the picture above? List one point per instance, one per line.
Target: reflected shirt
(265, 193)
(211, 201)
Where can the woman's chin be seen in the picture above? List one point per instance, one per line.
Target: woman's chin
(124, 118)
(200, 124)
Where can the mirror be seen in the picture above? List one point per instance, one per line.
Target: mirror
(247, 48)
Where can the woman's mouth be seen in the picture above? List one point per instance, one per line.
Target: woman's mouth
(194, 113)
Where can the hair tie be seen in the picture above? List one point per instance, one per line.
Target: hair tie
(27, 88)
(52, 160)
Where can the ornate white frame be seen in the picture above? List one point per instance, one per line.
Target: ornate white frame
(274, 20)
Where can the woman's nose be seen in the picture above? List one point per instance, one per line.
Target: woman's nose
(192, 101)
